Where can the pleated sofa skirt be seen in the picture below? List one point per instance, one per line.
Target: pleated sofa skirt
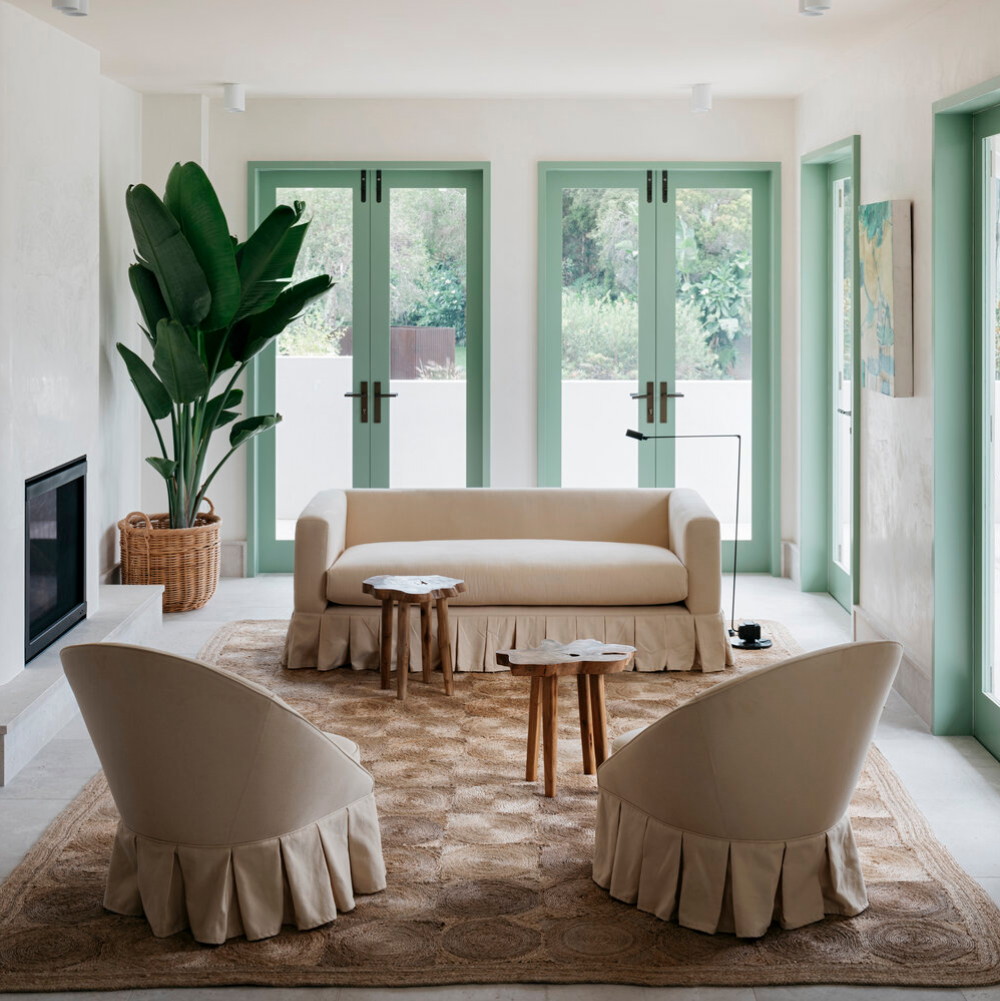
(666, 637)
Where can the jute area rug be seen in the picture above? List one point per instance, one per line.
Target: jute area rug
(489, 882)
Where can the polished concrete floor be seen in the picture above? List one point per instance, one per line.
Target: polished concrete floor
(954, 781)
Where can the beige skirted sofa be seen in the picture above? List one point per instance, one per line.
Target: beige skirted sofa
(237, 814)
(640, 567)
(731, 811)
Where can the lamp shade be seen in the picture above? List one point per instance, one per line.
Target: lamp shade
(234, 97)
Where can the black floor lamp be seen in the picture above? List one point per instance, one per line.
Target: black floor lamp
(748, 636)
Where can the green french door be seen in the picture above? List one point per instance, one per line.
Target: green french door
(843, 236)
(655, 314)
(986, 701)
(381, 383)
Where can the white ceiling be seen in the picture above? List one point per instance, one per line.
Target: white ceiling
(480, 48)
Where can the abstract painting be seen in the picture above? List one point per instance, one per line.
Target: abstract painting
(886, 279)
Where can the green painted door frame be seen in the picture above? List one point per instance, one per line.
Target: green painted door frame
(656, 320)
(370, 267)
(819, 169)
(958, 420)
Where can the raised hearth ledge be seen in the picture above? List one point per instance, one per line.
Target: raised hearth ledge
(37, 703)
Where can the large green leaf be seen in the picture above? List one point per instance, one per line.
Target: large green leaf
(152, 392)
(225, 417)
(254, 258)
(251, 427)
(217, 341)
(146, 290)
(178, 364)
(252, 334)
(165, 467)
(163, 248)
(286, 254)
(193, 202)
(218, 410)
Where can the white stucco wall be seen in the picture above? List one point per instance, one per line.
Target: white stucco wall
(117, 469)
(885, 92)
(48, 273)
(62, 249)
(513, 135)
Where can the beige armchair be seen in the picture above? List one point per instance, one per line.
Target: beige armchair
(237, 814)
(731, 811)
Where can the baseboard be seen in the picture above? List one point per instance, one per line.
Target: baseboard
(914, 680)
(233, 561)
(790, 564)
(113, 575)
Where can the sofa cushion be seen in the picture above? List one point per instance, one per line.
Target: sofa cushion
(520, 571)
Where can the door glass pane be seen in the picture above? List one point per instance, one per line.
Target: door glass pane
(427, 337)
(842, 292)
(991, 678)
(313, 367)
(714, 347)
(600, 335)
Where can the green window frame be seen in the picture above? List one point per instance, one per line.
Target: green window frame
(818, 170)
(958, 436)
(265, 554)
(763, 554)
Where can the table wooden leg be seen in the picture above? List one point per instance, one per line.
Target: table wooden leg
(444, 645)
(534, 730)
(550, 730)
(599, 716)
(586, 725)
(385, 648)
(425, 639)
(402, 648)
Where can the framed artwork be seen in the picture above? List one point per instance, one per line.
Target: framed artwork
(886, 285)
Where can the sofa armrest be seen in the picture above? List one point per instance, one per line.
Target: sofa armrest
(319, 539)
(694, 537)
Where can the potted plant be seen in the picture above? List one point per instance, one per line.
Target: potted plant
(209, 304)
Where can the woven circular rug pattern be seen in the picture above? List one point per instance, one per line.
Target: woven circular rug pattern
(489, 882)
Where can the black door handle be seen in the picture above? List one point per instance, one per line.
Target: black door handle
(363, 397)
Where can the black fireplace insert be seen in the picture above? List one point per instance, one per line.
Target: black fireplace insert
(55, 519)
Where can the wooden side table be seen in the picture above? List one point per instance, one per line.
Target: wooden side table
(590, 661)
(405, 591)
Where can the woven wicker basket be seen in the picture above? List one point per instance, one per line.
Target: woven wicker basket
(184, 560)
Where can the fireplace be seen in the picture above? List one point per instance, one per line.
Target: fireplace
(54, 554)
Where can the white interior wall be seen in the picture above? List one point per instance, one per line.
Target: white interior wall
(117, 469)
(884, 92)
(48, 270)
(61, 250)
(512, 135)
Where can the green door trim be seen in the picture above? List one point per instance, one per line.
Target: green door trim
(767, 364)
(955, 347)
(262, 179)
(818, 169)
(985, 710)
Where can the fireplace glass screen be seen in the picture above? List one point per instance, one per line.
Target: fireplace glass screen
(55, 518)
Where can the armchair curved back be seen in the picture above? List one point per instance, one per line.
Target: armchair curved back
(196, 755)
(770, 755)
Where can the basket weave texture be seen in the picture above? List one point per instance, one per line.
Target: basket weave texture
(184, 560)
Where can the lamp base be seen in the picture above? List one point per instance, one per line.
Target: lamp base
(748, 636)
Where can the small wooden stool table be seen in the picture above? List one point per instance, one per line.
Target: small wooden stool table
(590, 661)
(407, 591)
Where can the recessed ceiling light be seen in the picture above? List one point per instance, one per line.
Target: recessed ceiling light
(74, 8)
